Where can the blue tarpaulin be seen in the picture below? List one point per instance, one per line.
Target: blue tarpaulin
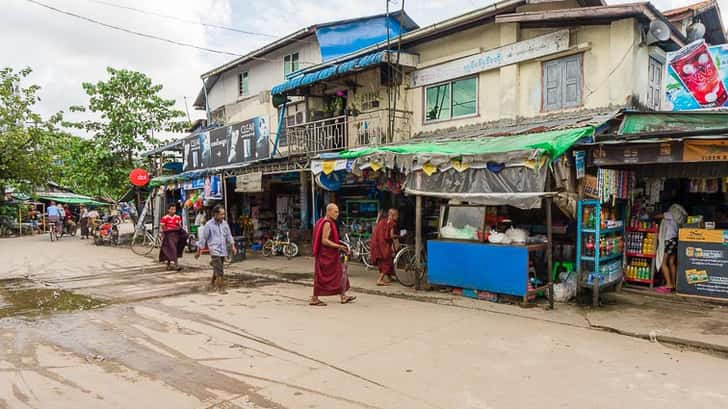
(344, 38)
(329, 72)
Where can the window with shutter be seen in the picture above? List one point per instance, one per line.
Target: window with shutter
(562, 83)
(654, 91)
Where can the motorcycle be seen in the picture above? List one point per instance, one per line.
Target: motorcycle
(106, 232)
(69, 228)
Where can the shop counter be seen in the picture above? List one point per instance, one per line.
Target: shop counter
(498, 268)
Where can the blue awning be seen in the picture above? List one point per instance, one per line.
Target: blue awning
(329, 72)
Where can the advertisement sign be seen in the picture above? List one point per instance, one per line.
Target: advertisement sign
(666, 152)
(496, 58)
(706, 150)
(250, 182)
(237, 143)
(697, 77)
(702, 267)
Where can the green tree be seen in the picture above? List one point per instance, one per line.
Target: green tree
(27, 142)
(128, 114)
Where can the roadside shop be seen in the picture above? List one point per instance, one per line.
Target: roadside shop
(498, 197)
(658, 166)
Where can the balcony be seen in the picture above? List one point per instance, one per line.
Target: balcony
(348, 131)
(325, 135)
(380, 128)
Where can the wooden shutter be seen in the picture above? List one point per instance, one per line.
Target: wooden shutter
(553, 77)
(572, 81)
(654, 90)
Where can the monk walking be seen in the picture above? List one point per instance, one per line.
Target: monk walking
(329, 276)
(384, 245)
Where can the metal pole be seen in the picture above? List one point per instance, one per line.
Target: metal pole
(313, 200)
(418, 237)
(20, 222)
(549, 250)
(303, 200)
(225, 195)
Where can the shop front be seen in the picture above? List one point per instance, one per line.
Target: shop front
(495, 216)
(670, 191)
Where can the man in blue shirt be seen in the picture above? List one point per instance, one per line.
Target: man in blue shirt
(55, 218)
(216, 235)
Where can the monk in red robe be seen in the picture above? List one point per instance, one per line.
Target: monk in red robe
(384, 245)
(329, 276)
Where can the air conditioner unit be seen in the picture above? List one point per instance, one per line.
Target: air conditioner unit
(264, 97)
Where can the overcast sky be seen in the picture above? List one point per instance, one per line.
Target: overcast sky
(65, 51)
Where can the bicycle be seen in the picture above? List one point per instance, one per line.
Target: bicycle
(277, 245)
(143, 241)
(52, 231)
(406, 269)
(358, 248)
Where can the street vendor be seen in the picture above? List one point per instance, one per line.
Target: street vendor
(667, 245)
(174, 238)
(384, 245)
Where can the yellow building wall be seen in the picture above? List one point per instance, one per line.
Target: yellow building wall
(614, 71)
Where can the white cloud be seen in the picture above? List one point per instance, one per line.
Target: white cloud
(64, 51)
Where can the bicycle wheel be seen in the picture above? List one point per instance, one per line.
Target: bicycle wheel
(290, 250)
(52, 233)
(72, 230)
(365, 254)
(403, 267)
(268, 248)
(141, 243)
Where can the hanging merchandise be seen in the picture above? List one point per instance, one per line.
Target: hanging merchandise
(654, 189)
(615, 184)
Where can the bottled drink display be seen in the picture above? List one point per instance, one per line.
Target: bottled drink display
(641, 243)
(638, 269)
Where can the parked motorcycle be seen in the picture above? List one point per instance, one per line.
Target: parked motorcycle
(106, 233)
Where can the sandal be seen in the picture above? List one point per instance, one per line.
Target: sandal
(348, 299)
(317, 303)
(383, 283)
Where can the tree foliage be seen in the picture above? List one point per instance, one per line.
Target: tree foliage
(128, 114)
(27, 142)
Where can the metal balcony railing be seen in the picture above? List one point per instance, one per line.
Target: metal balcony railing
(324, 135)
(379, 127)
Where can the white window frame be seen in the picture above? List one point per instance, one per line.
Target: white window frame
(449, 83)
(288, 63)
(244, 84)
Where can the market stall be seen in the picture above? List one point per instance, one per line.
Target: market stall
(499, 173)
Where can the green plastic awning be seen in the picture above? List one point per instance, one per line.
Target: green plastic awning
(551, 143)
(638, 123)
(74, 200)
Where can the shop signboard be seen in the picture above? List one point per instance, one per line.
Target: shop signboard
(499, 57)
(706, 150)
(249, 182)
(233, 144)
(666, 152)
(697, 77)
(702, 268)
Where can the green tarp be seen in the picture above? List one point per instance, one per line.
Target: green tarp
(551, 143)
(636, 123)
(74, 200)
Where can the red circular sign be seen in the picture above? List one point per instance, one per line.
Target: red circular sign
(139, 177)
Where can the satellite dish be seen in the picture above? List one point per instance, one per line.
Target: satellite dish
(696, 31)
(658, 32)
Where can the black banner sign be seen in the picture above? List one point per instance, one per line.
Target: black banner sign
(237, 143)
(623, 154)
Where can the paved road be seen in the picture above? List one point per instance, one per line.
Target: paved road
(162, 342)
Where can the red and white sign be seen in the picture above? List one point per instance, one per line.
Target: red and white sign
(139, 177)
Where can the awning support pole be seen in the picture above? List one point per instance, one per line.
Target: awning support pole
(225, 196)
(550, 251)
(418, 238)
(313, 200)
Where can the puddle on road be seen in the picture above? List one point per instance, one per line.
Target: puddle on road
(21, 297)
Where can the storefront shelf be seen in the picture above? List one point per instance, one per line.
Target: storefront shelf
(629, 254)
(642, 230)
(603, 259)
(603, 231)
(638, 280)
